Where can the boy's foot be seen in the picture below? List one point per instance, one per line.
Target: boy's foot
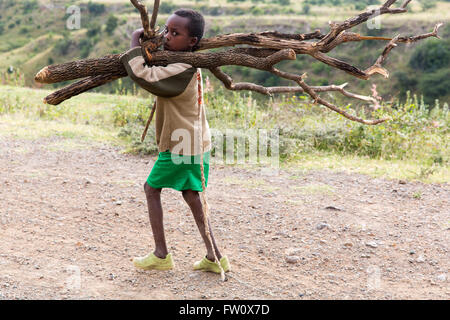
(152, 262)
(207, 265)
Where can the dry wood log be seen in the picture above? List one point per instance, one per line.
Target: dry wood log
(79, 87)
(268, 48)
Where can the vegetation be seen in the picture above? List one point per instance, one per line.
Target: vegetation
(416, 96)
(417, 134)
(105, 29)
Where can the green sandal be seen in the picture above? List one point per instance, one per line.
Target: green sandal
(208, 265)
(152, 262)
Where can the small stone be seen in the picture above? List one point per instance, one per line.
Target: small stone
(402, 182)
(292, 259)
(111, 276)
(333, 208)
(118, 203)
(420, 259)
(293, 251)
(365, 256)
(412, 252)
(301, 294)
(441, 277)
(348, 244)
(372, 244)
(322, 225)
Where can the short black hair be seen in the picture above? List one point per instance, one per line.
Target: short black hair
(196, 25)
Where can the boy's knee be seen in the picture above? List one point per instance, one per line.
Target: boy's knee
(190, 195)
(150, 190)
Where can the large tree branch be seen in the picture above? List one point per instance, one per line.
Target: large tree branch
(309, 90)
(230, 85)
(110, 64)
(79, 87)
(268, 48)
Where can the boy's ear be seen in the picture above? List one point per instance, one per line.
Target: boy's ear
(193, 41)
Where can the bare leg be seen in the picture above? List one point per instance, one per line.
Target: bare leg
(194, 202)
(156, 219)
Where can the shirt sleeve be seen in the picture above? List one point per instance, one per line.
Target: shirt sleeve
(169, 81)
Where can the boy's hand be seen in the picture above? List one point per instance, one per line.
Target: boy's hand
(135, 36)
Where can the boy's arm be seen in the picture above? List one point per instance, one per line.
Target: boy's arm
(166, 82)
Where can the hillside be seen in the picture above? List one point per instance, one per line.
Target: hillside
(34, 34)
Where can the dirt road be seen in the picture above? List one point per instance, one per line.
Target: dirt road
(72, 216)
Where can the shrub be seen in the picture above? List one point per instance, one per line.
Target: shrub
(62, 46)
(95, 8)
(85, 47)
(435, 85)
(111, 24)
(432, 55)
(93, 30)
(29, 5)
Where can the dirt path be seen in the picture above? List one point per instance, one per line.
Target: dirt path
(72, 218)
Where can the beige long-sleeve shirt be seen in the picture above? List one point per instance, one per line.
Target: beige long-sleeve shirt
(177, 93)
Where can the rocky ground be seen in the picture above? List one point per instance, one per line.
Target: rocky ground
(72, 218)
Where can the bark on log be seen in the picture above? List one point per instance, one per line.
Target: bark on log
(79, 87)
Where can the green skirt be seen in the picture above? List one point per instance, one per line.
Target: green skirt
(179, 172)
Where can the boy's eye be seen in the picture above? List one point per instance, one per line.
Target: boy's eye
(166, 29)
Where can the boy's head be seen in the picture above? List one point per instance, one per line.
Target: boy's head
(184, 30)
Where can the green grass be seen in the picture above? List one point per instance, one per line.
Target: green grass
(389, 169)
(413, 146)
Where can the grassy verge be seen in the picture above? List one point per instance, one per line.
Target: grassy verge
(412, 146)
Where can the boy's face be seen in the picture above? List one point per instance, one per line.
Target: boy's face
(177, 34)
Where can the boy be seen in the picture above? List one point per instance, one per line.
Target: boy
(176, 87)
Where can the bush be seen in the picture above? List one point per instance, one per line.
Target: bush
(92, 30)
(29, 5)
(62, 46)
(95, 8)
(85, 48)
(435, 85)
(432, 55)
(24, 30)
(111, 24)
